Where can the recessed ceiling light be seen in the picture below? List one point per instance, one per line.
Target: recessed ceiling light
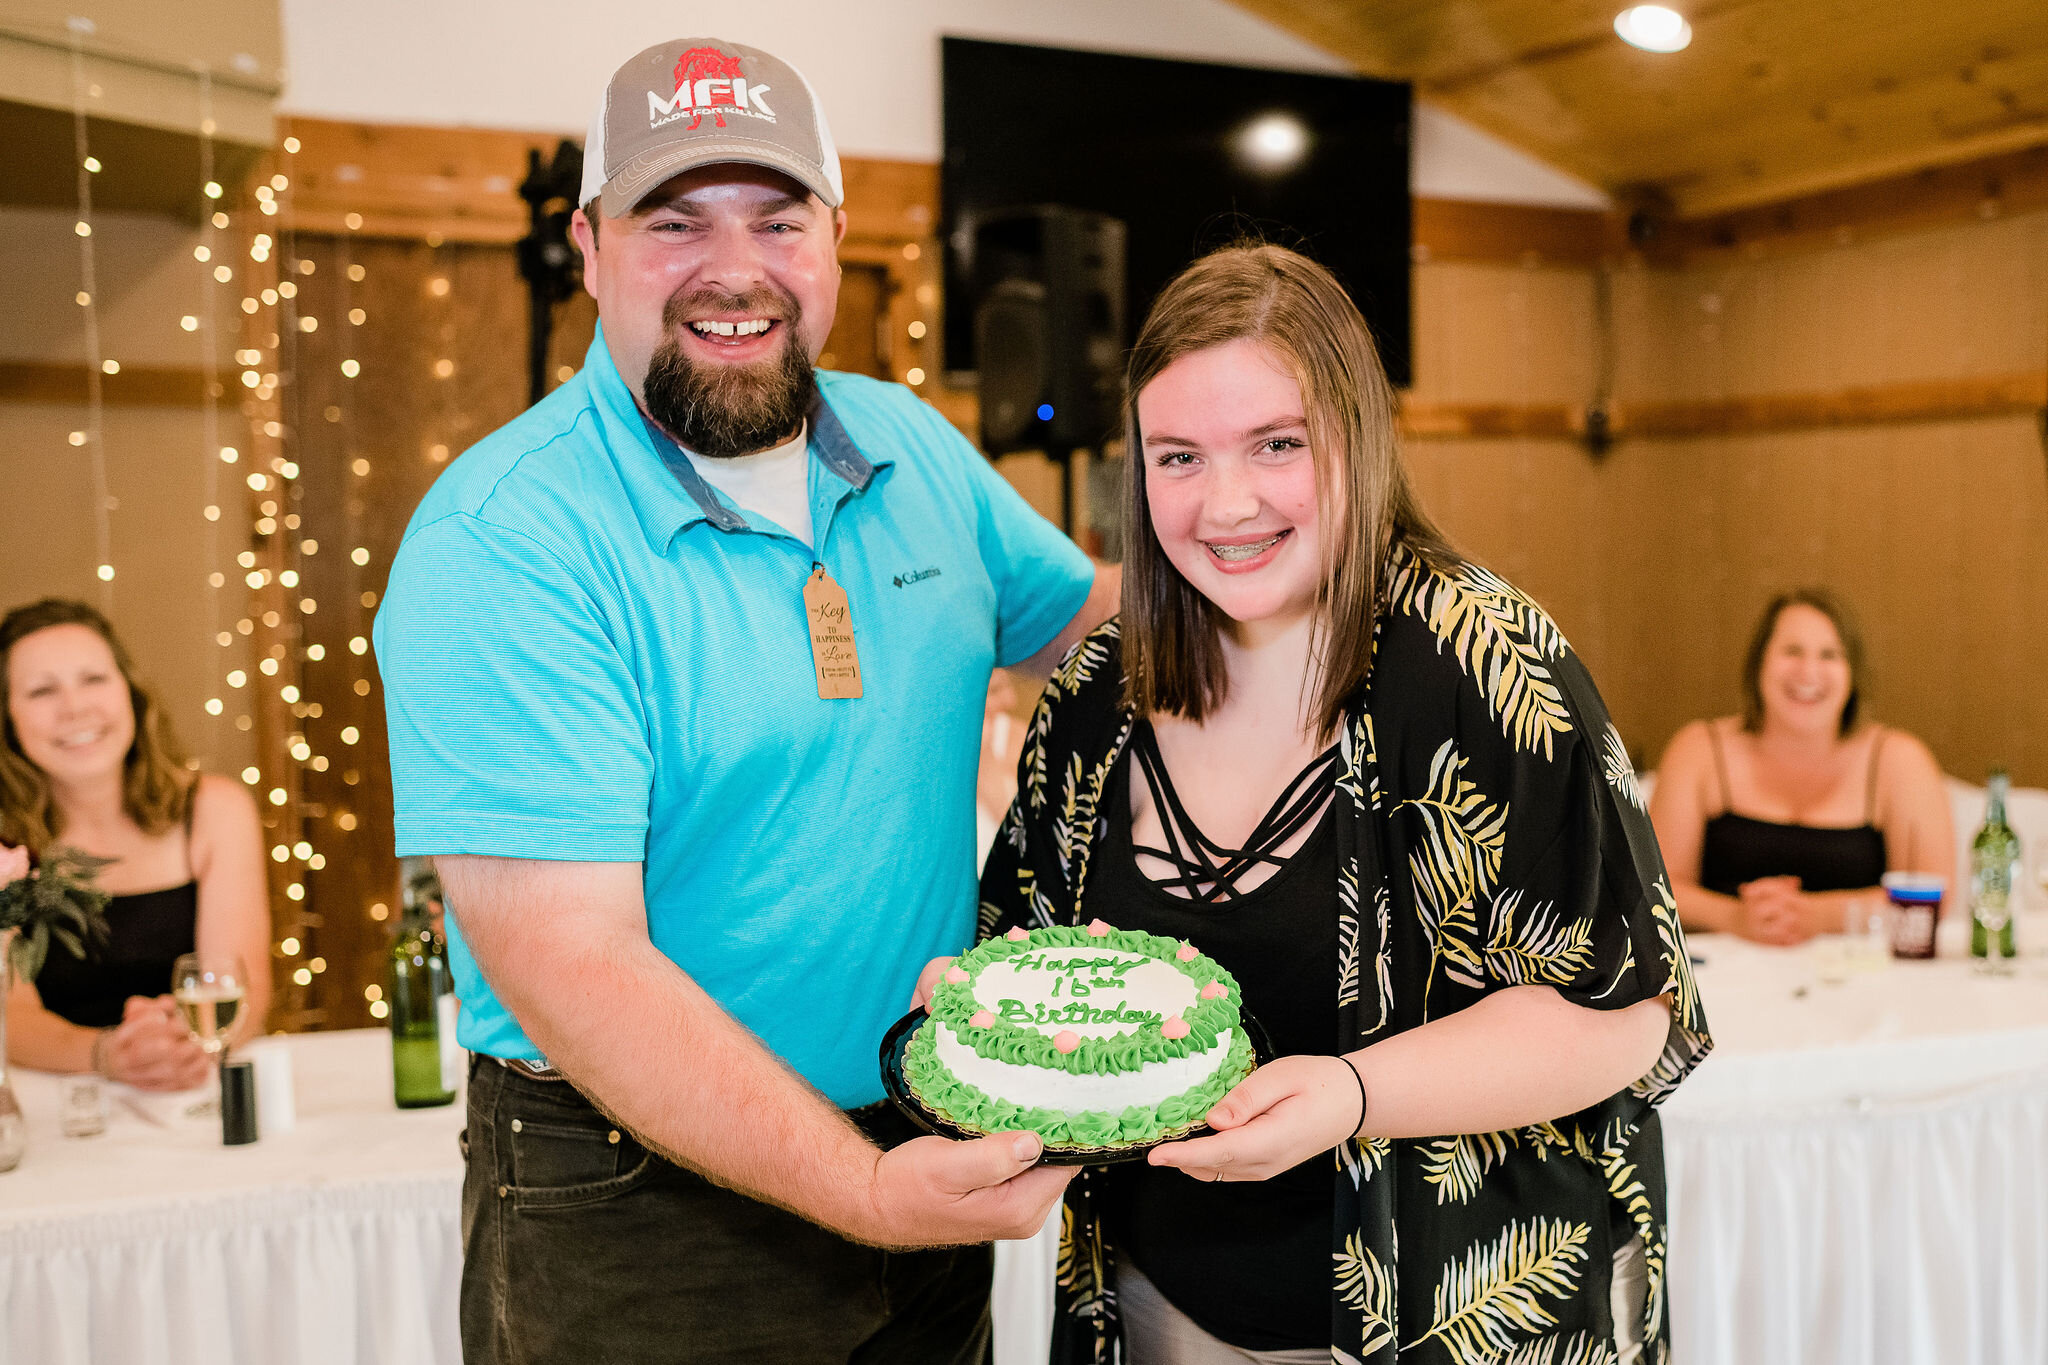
(1653, 28)
(1273, 142)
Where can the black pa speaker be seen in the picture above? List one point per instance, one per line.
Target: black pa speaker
(1048, 303)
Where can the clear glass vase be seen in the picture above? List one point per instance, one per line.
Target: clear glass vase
(13, 1129)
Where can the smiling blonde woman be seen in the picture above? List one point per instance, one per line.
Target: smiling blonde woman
(89, 761)
(1372, 780)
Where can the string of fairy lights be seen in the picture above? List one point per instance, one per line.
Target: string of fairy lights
(97, 365)
(272, 472)
(351, 273)
(206, 325)
(273, 568)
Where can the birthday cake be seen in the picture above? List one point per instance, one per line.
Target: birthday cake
(1091, 1037)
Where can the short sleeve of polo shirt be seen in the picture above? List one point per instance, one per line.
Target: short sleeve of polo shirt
(1041, 578)
(517, 729)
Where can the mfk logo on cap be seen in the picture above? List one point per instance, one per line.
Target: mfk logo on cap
(706, 102)
(708, 81)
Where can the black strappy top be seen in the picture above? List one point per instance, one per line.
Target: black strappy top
(1279, 938)
(1738, 849)
(149, 931)
(1204, 869)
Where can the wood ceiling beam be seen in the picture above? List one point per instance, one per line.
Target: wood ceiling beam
(2000, 186)
(1731, 196)
(1518, 234)
(1941, 196)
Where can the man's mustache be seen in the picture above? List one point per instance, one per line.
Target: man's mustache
(763, 302)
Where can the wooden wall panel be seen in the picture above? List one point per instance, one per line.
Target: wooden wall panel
(1936, 528)
(1955, 302)
(1491, 334)
(1921, 493)
(1656, 561)
(1937, 534)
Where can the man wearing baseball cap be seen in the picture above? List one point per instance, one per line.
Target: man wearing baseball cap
(685, 670)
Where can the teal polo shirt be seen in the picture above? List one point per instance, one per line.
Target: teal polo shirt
(590, 655)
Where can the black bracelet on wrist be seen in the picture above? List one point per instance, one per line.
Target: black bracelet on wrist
(1358, 1076)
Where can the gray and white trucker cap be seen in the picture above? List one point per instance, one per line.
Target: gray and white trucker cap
(701, 101)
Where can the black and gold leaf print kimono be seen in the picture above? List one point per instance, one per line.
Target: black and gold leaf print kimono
(1490, 834)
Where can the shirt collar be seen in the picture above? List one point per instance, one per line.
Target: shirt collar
(666, 490)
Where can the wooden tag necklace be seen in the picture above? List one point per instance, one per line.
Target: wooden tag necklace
(830, 623)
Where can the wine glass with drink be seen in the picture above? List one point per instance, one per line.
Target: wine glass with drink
(208, 989)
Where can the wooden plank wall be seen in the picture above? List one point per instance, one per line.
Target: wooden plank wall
(1865, 416)
(1936, 528)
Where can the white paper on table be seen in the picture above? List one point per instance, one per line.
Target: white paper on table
(167, 1108)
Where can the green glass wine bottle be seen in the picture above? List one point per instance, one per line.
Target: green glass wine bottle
(1994, 874)
(425, 1061)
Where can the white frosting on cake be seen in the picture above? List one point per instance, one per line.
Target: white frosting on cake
(1136, 983)
(1041, 1088)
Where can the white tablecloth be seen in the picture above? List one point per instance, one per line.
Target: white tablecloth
(1859, 1173)
(335, 1243)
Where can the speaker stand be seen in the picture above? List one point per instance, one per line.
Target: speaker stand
(1063, 456)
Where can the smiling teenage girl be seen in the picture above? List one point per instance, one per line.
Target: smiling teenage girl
(1372, 780)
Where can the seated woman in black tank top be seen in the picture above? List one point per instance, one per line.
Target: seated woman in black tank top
(1773, 823)
(89, 763)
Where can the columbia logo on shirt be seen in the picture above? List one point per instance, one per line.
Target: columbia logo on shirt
(915, 576)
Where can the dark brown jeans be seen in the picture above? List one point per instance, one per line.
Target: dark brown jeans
(581, 1246)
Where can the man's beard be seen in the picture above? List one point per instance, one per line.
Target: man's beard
(720, 411)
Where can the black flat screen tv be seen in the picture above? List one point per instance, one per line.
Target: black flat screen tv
(1190, 155)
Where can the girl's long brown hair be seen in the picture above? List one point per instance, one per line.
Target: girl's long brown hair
(157, 782)
(1173, 655)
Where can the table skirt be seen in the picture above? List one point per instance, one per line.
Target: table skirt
(329, 1275)
(1877, 1235)
(1912, 1228)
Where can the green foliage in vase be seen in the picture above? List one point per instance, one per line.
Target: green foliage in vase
(60, 899)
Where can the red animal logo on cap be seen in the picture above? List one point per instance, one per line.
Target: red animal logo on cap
(708, 80)
(717, 71)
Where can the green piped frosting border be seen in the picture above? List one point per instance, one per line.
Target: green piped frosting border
(953, 1003)
(970, 1108)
